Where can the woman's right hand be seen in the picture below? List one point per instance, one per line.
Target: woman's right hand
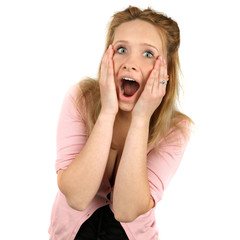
(107, 85)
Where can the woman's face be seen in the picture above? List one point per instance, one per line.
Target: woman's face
(137, 44)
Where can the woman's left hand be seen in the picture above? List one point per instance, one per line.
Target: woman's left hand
(153, 92)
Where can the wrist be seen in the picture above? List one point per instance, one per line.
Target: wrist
(141, 115)
(140, 120)
(108, 117)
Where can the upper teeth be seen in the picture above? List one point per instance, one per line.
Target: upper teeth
(129, 79)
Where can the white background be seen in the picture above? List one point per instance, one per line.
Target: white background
(46, 46)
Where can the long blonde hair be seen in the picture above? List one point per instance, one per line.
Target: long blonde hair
(166, 115)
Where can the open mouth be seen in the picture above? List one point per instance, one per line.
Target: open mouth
(129, 86)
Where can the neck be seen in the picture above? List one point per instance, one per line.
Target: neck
(121, 126)
(124, 116)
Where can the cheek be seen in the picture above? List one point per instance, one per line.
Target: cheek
(116, 63)
(148, 67)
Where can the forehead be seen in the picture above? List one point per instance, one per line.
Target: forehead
(138, 32)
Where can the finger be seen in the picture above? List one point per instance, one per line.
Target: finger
(152, 76)
(150, 81)
(105, 56)
(165, 68)
(103, 62)
(156, 79)
(104, 65)
(163, 77)
(157, 67)
(110, 62)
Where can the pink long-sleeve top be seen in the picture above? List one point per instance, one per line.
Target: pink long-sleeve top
(161, 166)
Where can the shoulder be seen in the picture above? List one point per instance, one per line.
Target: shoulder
(81, 88)
(79, 94)
(178, 135)
(69, 107)
(73, 92)
(181, 127)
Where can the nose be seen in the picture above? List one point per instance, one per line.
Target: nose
(130, 64)
(127, 67)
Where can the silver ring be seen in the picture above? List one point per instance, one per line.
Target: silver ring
(163, 82)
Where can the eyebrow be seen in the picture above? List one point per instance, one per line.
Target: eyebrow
(144, 44)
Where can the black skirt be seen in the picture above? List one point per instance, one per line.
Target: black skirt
(101, 226)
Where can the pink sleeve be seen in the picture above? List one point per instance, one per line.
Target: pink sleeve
(162, 165)
(71, 131)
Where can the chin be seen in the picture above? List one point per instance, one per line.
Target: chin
(126, 107)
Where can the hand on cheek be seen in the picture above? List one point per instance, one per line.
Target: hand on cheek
(108, 93)
(154, 90)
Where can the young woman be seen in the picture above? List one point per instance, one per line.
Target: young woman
(120, 137)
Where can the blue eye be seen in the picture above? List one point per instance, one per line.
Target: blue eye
(148, 54)
(122, 50)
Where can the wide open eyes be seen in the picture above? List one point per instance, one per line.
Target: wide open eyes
(145, 52)
(121, 50)
(148, 54)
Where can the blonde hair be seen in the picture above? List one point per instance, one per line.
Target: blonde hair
(166, 115)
